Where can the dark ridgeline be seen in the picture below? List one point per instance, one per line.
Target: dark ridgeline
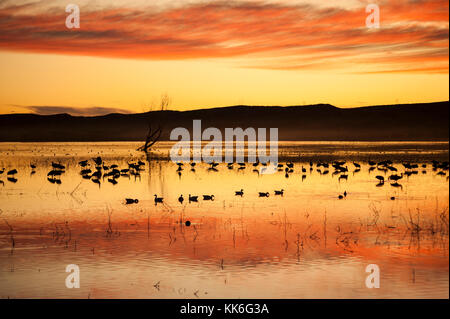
(426, 121)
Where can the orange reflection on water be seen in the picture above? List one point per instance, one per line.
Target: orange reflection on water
(304, 244)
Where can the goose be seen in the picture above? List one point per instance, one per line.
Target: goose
(280, 192)
(290, 165)
(255, 164)
(345, 193)
(193, 198)
(262, 194)
(12, 179)
(372, 163)
(343, 177)
(83, 163)
(114, 166)
(208, 197)
(85, 172)
(12, 172)
(58, 166)
(380, 178)
(98, 161)
(341, 197)
(54, 173)
(303, 170)
(181, 199)
(239, 193)
(1, 172)
(158, 199)
(112, 181)
(141, 163)
(357, 165)
(395, 178)
(33, 166)
(129, 201)
(97, 174)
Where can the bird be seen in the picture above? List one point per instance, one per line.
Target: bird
(58, 166)
(1, 172)
(112, 181)
(395, 178)
(54, 173)
(181, 199)
(98, 161)
(239, 193)
(345, 193)
(193, 198)
(85, 171)
(280, 192)
(380, 178)
(83, 163)
(33, 166)
(340, 197)
(129, 201)
(208, 197)
(262, 194)
(158, 199)
(12, 172)
(372, 163)
(356, 165)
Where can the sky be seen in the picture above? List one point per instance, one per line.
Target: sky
(203, 53)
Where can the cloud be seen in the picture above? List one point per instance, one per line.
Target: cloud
(75, 111)
(285, 30)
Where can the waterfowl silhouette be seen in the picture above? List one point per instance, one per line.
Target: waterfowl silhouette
(239, 193)
(193, 198)
(208, 197)
(129, 201)
(262, 194)
(158, 199)
(380, 178)
(12, 172)
(280, 192)
(181, 199)
(83, 163)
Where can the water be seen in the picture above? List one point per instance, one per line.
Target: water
(304, 244)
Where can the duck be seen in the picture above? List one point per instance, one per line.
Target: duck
(280, 192)
(129, 201)
(208, 197)
(262, 194)
(193, 198)
(239, 193)
(158, 199)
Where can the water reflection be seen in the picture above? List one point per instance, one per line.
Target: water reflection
(160, 229)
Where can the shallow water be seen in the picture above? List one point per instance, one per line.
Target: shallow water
(304, 244)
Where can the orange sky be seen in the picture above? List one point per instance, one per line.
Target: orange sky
(218, 53)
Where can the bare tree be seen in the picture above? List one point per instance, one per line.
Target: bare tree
(154, 135)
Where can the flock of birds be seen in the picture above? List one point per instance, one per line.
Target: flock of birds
(99, 171)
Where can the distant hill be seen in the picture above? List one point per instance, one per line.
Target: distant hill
(419, 122)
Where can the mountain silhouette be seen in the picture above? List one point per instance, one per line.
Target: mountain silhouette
(324, 122)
